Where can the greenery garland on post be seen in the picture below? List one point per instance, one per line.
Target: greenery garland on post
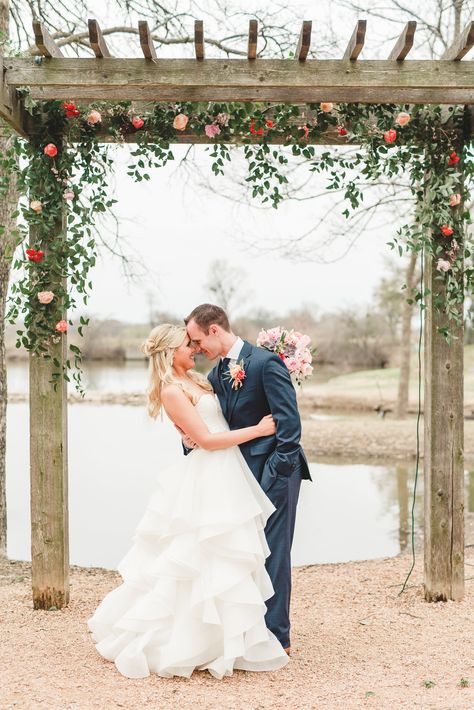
(66, 165)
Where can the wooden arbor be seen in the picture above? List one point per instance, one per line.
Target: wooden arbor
(50, 75)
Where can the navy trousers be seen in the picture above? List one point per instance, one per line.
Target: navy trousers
(279, 532)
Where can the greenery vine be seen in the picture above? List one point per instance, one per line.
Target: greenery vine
(62, 173)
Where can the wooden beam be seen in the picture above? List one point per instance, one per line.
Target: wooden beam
(11, 106)
(443, 448)
(43, 40)
(253, 35)
(364, 81)
(97, 41)
(146, 42)
(199, 39)
(462, 44)
(356, 42)
(48, 473)
(304, 41)
(404, 42)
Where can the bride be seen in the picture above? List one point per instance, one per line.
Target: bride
(194, 581)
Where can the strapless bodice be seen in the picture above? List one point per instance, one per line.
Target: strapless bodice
(210, 411)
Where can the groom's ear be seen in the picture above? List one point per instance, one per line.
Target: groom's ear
(213, 329)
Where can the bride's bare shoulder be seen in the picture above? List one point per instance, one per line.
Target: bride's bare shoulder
(170, 393)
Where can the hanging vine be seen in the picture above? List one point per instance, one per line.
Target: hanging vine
(63, 173)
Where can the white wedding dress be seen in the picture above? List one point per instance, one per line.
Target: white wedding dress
(194, 582)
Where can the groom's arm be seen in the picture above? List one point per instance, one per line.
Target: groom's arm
(281, 397)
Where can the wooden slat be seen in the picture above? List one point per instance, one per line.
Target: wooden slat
(146, 42)
(366, 81)
(252, 45)
(462, 44)
(404, 42)
(356, 42)
(304, 41)
(199, 39)
(97, 41)
(11, 106)
(45, 43)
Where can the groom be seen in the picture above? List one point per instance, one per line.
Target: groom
(278, 462)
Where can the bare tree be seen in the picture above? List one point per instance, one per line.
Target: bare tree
(226, 284)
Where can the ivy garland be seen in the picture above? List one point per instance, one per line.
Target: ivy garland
(67, 164)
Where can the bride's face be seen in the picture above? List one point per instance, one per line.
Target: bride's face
(183, 357)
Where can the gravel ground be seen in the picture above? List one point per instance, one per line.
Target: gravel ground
(356, 644)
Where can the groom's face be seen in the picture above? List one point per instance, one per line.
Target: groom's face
(207, 343)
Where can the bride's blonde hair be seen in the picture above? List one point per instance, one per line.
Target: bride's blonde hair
(160, 347)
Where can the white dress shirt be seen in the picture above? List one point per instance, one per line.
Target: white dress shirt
(234, 352)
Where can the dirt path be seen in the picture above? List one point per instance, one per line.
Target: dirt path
(356, 644)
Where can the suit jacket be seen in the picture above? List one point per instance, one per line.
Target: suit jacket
(266, 389)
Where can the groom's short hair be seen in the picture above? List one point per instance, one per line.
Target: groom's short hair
(206, 314)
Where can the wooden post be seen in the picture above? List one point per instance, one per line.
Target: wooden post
(444, 443)
(48, 472)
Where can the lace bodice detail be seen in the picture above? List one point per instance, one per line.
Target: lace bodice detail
(210, 411)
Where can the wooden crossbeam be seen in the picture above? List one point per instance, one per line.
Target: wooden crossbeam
(304, 41)
(356, 42)
(97, 41)
(404, 43)
(252, 45)
(363, 81)
(462, 44)
(199, 39)
(11, 106)
(146, 42)
(45, 43)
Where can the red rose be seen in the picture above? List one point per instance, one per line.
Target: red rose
(34, 255)
(390, 136)
(269, 124)
(137, 122)
(50, 150)
(447, 230)
(342, 131)
(72, 114)
(281, 356)
(453, 158)
(255, 131)
(305, 129)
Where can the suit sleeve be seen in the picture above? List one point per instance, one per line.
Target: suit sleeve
(281, 397)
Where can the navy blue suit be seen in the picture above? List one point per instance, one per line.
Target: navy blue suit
(278, 462)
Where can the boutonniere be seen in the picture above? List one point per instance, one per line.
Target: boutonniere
(236, 374)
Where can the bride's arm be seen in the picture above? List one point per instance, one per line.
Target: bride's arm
(185, 416)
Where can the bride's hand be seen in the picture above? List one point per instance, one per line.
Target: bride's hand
(266, 426)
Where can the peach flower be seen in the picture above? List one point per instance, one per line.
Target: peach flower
(180, 122)
(403, 118)
(36, 206)
(93, 117)
(61, 326)
(455, 200)
(45, 296)
(326, 107)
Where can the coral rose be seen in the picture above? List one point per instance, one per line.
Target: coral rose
(36, 206)
(93, 117)
(137, 122)
(180, 122)
(390, 136)
(61, 326)
(455, 200)
(50, 150)
(45, 296)
(403, 118)
(447, 230)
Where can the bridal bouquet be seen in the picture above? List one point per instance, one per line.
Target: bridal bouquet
(292, 347)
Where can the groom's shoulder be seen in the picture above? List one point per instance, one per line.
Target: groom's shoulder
(261, 355)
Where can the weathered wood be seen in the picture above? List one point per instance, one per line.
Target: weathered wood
(45, 43)
(146, 42)
(364, 81)
(253, 36)
(443, 449)
(11, 106)
(356, 42)
(404, 42)
(48, 477)
(199, 39)
(304, 41)
(462, 44)
(97, 41)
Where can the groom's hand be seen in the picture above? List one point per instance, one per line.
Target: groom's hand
(187, 441)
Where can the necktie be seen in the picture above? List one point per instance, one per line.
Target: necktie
(224, 371)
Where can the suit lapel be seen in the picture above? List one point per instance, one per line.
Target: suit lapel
(245, 355)
(214, 378)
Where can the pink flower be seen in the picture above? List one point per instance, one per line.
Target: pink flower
(61, 326)
(455, 200)
(236, 374)
(137, 122)
(326, 107)
(390, 136)
(403, 118)
(45, 296)
(180, 122)
(222, 119)
(306, 370)
(50, 150)
(443, 265)
(211, 130)
(93, 117)
(68, 195)
(36, 206)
